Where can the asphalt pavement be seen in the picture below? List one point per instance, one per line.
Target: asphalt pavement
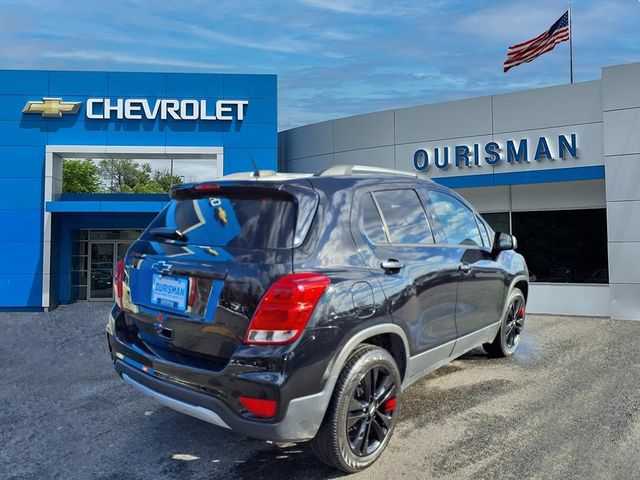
(566, 406)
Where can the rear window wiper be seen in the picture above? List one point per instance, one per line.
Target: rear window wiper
(170, 233)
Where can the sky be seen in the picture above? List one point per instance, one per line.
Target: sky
(333, 58)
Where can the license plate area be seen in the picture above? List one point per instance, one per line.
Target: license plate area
(169, 292)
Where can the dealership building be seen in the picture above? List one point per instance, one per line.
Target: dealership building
(559, 167)
(58, 247)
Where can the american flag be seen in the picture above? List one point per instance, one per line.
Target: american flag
(546, 41)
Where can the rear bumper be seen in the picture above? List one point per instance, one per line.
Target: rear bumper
(300, 423)
(213, 396)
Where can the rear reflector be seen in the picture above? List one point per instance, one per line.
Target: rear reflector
(285, 309)
(258, 407)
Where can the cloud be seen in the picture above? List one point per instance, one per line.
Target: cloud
(333, 58)
(340, 6)
(375, 8)
(277, 44)
(104, 56)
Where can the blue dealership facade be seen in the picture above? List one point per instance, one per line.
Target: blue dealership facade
(58, 247)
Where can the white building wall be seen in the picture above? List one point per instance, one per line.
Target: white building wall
(621, 106)
(560, 299)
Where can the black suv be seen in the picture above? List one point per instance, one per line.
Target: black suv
(297, 307)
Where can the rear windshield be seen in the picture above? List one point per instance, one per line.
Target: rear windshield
(230, 221)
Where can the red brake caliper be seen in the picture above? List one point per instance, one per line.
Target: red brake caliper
(390, 405)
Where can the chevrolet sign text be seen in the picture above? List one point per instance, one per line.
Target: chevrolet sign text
(165, 109)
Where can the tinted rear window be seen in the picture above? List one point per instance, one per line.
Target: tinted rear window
(456, 219)
(224, 221)
(405, 217)
(372, 222)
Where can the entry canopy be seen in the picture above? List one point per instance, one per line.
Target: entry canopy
(134, 152)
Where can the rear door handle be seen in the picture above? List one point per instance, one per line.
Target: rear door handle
(392, 265)
(465, 268)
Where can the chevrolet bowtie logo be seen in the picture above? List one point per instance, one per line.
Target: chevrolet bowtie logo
(51, 107)
(162, 266)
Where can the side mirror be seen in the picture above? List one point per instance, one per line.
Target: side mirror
(504, 241)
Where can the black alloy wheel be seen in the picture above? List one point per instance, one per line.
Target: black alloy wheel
(362, 413)
(371, 411)
(515, 322)
(511, 327)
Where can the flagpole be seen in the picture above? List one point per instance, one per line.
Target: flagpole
(570, 44)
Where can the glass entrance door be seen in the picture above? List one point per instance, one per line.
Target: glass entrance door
(101, 263)
(103, 257)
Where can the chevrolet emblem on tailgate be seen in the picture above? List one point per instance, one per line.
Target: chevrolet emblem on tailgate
(51, 107)
(161, 266)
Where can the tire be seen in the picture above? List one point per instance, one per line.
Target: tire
(511, 328)
(339, 446)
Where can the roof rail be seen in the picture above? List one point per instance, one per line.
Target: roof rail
(340, 170)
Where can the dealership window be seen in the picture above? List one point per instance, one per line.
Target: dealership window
(563, 246)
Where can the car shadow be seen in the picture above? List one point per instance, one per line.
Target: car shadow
(188, 448)
(292, 461)
(475, 354)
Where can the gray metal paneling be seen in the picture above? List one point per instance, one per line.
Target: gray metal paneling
(463, 118)
(621, 98)
(487, 199)
(548, 107)
(622, 86)
(624, 262)
(625, 301)
(374, 157)
(622, 174)
(620, 228)
(622, 132)
(310, 164)
(363, 131)
(316, 139)
(558, 196)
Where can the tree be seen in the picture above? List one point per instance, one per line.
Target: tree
(128, 176)
(80, 176)
(122, 175)
(165, 179)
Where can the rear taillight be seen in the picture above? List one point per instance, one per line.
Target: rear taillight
(258, 407)
(117, 281)
(193, 291)
(285, 309)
